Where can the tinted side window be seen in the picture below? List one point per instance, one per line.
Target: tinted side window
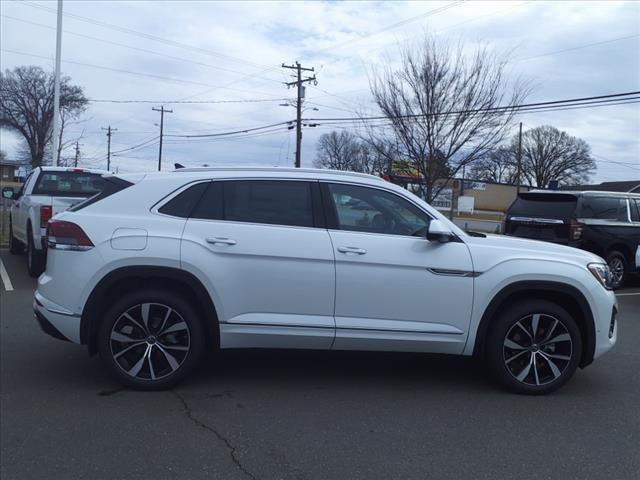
(634, 206)
(265, 201)
(210, 205)
(182, 204)
(604, 208)
(363, 209)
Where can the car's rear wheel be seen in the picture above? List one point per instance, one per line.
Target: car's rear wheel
(618, 266)
(15, 245)
(151, 340)
(534, 347)
(35, 257)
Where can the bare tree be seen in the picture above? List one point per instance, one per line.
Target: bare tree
(344, 150)
(499, 165)
(26, 106)
(549, 154)
(337, 150)
(441, 106)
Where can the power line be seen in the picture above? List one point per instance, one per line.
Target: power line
(560, 103)
(229, 138)
(144, 50)
(391, 26)
(171, 102)
(149, 36)
(144, 144)
(129, 72)
(579, 47)
(246, 130)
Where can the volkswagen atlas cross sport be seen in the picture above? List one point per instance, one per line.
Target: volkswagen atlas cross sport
(158, 268)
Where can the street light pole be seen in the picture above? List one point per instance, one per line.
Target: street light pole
(56, 89)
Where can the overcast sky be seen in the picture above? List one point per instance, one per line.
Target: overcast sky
(222, 51)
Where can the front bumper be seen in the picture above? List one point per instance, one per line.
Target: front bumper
(606, 325)
(55, 320)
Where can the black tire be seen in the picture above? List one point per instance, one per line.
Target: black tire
(528, 368)
(619, 268)
(140, 361)
(15, 245)
(35, 257)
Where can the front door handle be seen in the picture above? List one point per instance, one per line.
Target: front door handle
(354, 250)
(221, 241)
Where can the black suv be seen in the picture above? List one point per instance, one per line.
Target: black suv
(605, 223)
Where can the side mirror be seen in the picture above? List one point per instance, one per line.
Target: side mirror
(439, 232)
(8, 193)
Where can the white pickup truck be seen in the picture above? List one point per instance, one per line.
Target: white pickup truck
(46, 191)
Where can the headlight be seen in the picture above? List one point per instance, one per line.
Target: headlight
(602, 273)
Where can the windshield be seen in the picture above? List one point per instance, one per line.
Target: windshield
(69, 184)
(550, 205)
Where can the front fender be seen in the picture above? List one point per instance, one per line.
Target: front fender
(517, 275)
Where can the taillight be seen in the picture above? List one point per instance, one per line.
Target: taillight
(45, 215)
(67, 236)
(575, 230)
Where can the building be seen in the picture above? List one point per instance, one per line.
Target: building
(8, 172)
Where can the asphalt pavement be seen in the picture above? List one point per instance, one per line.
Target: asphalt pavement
(308, 415)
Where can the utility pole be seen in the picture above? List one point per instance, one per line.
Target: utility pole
(519, 160)
(298, 83)
(109, 133)
(162, 111)
(75, 162)
(56, 89)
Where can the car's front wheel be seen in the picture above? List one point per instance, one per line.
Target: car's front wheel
(534, 347)
(151, 340)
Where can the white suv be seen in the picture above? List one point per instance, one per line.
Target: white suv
(158, 268)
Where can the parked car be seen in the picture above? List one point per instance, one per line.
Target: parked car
(160, 267)
(605, 223)
(46, 191)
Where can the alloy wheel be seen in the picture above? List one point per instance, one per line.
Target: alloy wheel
(150, 341)
(617, 271)
(537, 349)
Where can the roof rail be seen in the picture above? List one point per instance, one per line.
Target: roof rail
(587, 192)
(276, 169)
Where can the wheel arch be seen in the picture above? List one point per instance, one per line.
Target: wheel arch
(124, 279)
(624, 249)
(567, 296)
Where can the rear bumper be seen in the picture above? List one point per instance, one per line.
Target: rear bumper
(55, 320)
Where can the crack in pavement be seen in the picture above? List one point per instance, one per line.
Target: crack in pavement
(232, 450)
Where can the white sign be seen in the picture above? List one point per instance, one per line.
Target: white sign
(466, 204)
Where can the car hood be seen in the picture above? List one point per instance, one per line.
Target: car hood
(493, 249)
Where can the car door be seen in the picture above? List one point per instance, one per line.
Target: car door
(268, 260)
(21, 207)
(395, 290)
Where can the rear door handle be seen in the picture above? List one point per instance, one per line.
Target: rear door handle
(354, 250)
(221, 241)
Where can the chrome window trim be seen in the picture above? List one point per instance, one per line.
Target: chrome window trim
(553, 221)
